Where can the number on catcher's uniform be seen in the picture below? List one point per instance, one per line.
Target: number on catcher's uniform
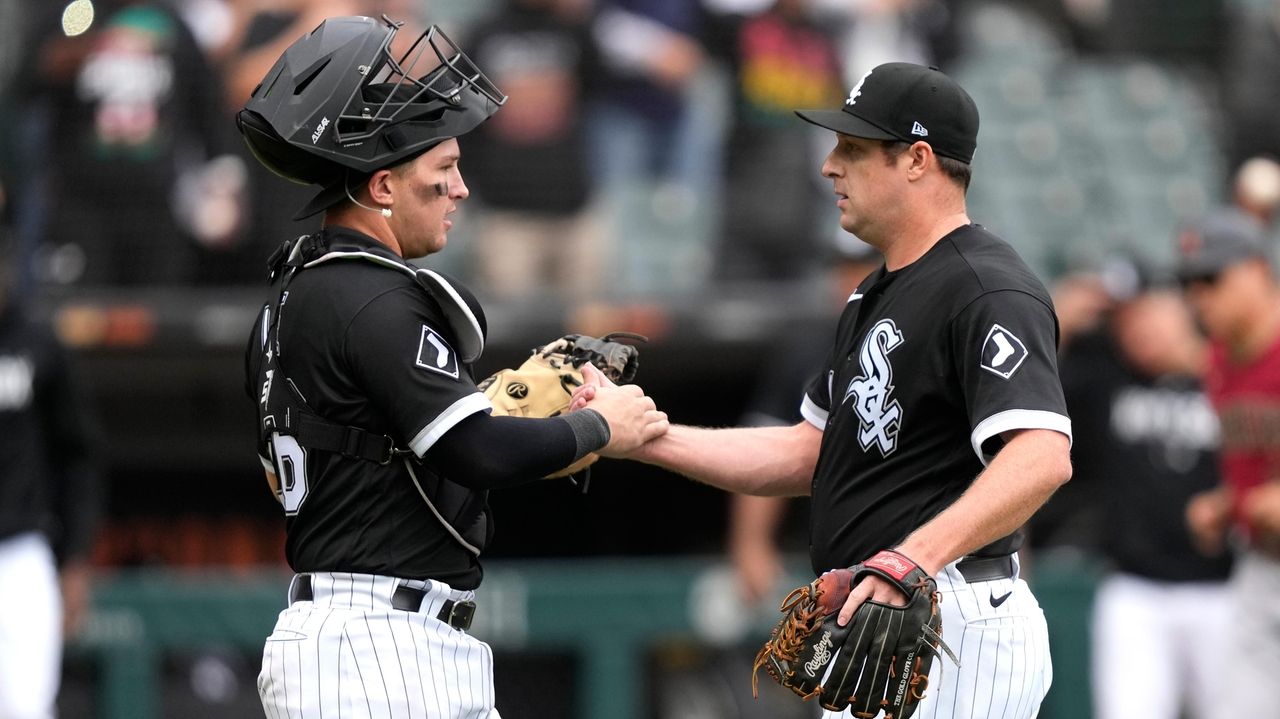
(879, 661)
(291, 468)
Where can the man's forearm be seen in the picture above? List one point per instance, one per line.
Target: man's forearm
(766, 461)
(1020, 479)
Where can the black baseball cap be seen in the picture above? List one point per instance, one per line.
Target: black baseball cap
(907, 102)
(1218, 241)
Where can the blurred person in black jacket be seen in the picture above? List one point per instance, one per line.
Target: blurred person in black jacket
(132, 121)
(528, 166)
(262, 31)
(777, 215)
(1146, 441)
(49, 503)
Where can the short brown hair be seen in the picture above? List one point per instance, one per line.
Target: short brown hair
(959, 172)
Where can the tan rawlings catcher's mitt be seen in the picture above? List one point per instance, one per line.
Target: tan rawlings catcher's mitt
(543, 385)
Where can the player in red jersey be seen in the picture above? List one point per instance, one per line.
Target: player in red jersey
(1233, 288)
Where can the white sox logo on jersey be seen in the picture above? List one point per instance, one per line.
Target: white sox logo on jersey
(1002, 352)
(879, 418)
(435, 354)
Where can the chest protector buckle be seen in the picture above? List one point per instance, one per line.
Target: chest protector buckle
(284, 410)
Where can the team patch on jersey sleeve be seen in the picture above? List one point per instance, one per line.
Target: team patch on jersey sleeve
(1002, 352)
(435, 354)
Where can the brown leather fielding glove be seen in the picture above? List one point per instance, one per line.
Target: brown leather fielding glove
(879, 661)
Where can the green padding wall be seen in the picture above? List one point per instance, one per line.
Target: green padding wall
(608, 612)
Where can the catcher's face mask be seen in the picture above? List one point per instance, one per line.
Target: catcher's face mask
(337, 103)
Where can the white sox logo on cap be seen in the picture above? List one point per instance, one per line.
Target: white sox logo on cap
(857, 90)
(906, 102)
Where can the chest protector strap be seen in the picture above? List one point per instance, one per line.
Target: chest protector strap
(314, 431)
(287, 412)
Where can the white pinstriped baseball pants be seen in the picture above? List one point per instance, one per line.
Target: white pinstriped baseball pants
(1160, 645)
(1253, 638)
(348, 653)
(30, 628)
(1005, 670)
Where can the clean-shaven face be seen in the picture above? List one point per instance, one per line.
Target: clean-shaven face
(427, 190)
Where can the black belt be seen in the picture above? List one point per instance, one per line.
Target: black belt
(405, 598)
(986, 569)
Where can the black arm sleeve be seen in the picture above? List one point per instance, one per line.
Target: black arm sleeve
(72, 437)
(488, 452)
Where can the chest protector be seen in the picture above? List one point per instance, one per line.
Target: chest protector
(284, 412)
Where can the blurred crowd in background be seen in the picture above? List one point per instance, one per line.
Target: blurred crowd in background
(648, 146)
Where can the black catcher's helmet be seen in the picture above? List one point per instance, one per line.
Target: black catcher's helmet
(337, 103)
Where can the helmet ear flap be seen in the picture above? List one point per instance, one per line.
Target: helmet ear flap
(281, 157)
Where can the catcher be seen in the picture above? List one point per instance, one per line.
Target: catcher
(373, 434)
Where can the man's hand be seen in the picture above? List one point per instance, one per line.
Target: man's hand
(758, 568)
(1208, 515)
(1080, 302)
(1261, 508)
(585, 392)
(74, 578)
(876, 660)
(753, 548)
(874, 588)
(632, 416)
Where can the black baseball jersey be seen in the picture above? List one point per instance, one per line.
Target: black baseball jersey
(931, 363)
(1144, 447)
(364, 344)
(49, 478)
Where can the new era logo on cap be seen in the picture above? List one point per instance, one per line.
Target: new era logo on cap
(918, 129)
